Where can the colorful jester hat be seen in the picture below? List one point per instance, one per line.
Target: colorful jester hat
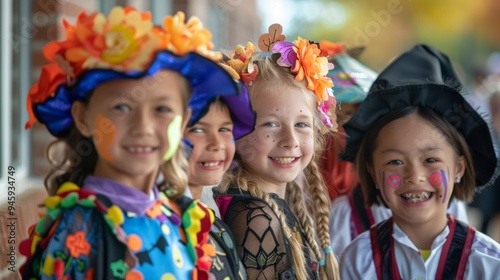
(124, 45)
(304, 59)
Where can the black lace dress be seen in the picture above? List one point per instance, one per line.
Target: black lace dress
(258, 232)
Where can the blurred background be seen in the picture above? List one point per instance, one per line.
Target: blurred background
(468, 31)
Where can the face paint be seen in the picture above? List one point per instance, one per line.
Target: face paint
(436, 179)
(394, 181)
(174, 136)
(445, 183)
(104, 137)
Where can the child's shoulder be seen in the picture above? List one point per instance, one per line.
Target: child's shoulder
(486, 246)
(357, 257)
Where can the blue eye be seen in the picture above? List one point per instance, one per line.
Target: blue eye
(270, 124)
(196, 130)
(301, 124)
(163, 109)
(224, 129)
(122, 108)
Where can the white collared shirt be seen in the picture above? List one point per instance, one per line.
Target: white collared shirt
(341, 230)
(357, 260)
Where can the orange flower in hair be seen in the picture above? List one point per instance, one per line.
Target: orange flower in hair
(313, 67)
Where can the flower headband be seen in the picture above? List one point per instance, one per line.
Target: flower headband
(304, 58)
(123, 44)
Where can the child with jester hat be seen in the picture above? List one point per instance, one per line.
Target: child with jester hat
(416, 144)
(349, 216)
(259, 199)
(116, 97)
(210, 149)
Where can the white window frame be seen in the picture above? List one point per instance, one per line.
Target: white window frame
(21, 164)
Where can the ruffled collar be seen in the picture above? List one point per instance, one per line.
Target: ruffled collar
(125, 197)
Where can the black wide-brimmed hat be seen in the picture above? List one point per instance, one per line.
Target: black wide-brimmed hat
(424, 77)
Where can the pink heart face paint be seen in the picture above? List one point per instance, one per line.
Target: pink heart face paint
(104, 137)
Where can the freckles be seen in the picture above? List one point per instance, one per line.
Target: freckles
(107, 130)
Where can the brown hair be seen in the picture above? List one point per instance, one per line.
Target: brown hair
(316, 229)
(74, 157)
(364, 157)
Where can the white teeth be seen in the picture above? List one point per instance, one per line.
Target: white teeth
(210, 164)
(140, 149)
(416, 197)
(284, 160)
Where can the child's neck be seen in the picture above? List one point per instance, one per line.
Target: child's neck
(422, 235)
(196, 191)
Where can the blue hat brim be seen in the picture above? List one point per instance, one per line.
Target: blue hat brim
(206, 78)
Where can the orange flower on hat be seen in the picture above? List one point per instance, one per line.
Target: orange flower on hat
(123, 40)
(50, 78)
(181, 38)
(313, 67)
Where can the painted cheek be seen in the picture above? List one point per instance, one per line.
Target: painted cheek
(393, 181)
(174, 136)
(107, 131)
(435, 179)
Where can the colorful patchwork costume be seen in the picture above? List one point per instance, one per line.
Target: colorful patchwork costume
(98, 228)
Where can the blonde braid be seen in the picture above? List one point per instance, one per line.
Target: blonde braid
(298, 202)
(318, 191)
(298, 262)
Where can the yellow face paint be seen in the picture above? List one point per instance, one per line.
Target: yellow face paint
(104, 137)
(174, 135)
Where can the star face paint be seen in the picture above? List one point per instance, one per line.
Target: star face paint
(174, 136)
(104, 137)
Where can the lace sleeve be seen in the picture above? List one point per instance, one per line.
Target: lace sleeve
(259, 237)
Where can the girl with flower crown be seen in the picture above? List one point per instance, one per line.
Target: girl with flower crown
(116, 98)
(259, 199)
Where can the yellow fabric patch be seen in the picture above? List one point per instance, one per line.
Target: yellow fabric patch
(425, 254)
(115, 215)
(66, 187)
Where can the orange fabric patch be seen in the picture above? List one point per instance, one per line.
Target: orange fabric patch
(133, 275)
(134, 242)
(77, 244)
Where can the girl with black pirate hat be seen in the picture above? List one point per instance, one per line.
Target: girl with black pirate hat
(416, 143)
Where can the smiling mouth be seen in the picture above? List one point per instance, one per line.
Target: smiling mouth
(284, 160)
(140, 149)
(211, 164)
(416, 197)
